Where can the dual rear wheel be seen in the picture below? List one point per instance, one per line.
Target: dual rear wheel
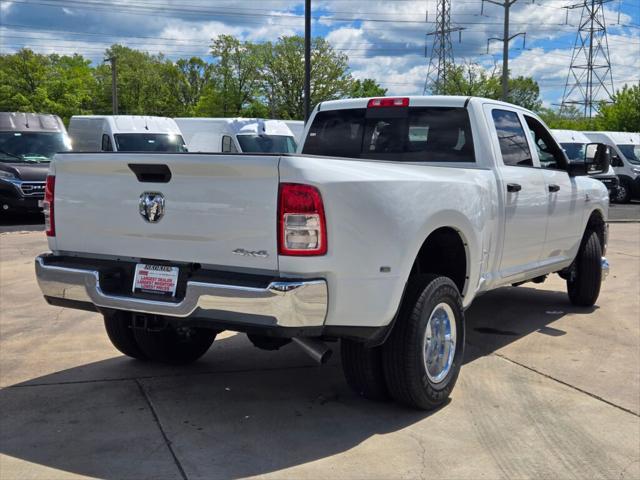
(170, 344)
(419, 363)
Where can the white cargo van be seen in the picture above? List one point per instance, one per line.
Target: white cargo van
(125, 133)
(297, 128)
(233, 135)
(574, 144)
(625, 160)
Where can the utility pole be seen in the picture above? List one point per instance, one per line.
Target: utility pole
(442, 52)
(506, 38)
(114, 84)
(590, 79)
(307, 59)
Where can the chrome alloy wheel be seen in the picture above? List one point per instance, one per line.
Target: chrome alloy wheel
(439, 343)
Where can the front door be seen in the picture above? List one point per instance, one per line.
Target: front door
(564, 215)
(523, 194)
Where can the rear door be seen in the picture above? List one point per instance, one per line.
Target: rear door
(219, 210)
(523, 192)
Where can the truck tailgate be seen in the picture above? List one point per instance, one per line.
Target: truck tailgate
(214, 205)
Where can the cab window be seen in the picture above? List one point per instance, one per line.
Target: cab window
(549, 152)
(227, 145)
(513, 141)
(106, 143)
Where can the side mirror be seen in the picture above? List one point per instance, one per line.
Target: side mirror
(597, 158)
(577, 168)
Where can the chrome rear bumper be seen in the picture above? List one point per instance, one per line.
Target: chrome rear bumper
(280, 303)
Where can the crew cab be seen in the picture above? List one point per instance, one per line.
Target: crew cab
(394, 215)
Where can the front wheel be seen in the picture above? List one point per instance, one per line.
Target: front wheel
(424, 353)
(585, 277)
(623, 193)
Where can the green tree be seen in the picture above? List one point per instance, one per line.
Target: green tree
(58, 84)
(473, 80)
(236, 76)
(283, 75)
(570, 119)
(191, 77)
(623, 114)
(366, 88)
(146, 84)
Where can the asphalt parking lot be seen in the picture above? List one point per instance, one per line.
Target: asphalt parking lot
(548, 390)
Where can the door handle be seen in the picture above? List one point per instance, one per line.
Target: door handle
(554, 188)
(513, 187)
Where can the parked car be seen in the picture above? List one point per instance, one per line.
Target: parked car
(28, 141)
(397, 214)
(625, 161)
(125, 133)
(234, 135)
(574, 144)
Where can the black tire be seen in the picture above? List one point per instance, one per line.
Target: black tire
(118, 327)
(174, 346)
(623, 193)
(403, 353)
(583, 285)
(363, 370)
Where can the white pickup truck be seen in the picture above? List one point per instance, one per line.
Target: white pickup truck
(394, 216)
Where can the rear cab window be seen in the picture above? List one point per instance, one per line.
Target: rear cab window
(399, 134)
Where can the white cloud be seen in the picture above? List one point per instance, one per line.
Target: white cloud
(391, 53)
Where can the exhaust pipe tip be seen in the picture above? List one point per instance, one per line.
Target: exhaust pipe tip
(316, 349)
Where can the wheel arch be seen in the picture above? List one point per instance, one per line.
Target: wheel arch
(596, 223)
(445, 251)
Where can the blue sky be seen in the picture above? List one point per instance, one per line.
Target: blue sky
(384, 40)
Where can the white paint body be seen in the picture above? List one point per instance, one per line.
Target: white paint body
(378, 213)
(87, 131)
(206, 134)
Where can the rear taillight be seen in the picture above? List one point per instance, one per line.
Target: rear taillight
(388, 102)
(47, 206)
(302, 228)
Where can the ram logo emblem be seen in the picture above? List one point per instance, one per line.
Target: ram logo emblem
(151, 206)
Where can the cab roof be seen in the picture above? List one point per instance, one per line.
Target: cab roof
(246, 126)
(417, 101)
(30, 122)
(619, 138)
(136, 123)
(570, 136)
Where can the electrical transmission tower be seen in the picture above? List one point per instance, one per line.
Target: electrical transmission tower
(442, 52)
(589, 80)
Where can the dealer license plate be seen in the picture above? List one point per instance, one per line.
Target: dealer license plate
(157, 279)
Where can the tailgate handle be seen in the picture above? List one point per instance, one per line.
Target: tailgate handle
(151, 173)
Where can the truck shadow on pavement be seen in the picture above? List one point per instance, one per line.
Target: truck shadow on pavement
(238, 412)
